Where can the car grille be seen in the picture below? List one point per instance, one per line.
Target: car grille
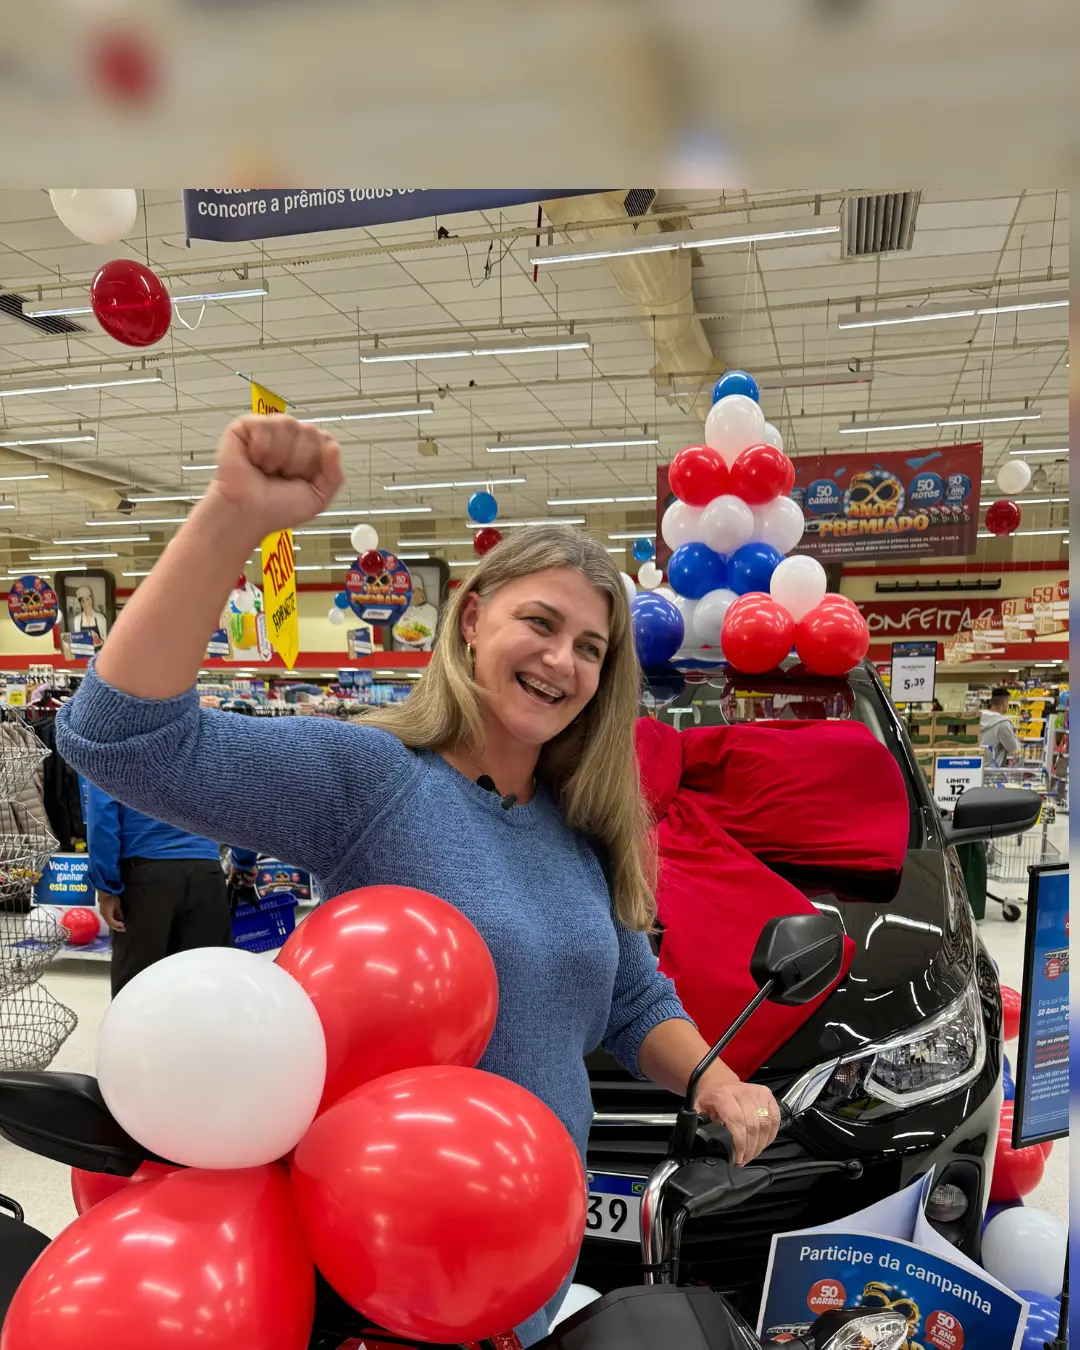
(729, 1252)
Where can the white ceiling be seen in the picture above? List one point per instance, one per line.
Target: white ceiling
(771, 311)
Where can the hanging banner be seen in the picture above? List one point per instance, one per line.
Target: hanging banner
(380, 597)
(278, 562)
(903, 504)
(32, 605)
(279, 582)
(231, 215)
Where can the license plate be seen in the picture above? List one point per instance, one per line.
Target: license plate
(615, 1207)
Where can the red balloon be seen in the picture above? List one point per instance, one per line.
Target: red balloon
(1010, 1013)
(213, 1259)
(131, 302)
(698, 474)
(1017, 1171)
(485, 540)
(760, 474)
(446, 1204)
(373, 562)
(757, 633)
(833, 638)
(90, 1188)
(399, 978)
(82, 925)
(1003, 517)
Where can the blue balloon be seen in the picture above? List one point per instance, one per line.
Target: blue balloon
(483, 508)
(695, 570)
(1043, 1317)
(1006, 1065)
(992, 1211)
(644, 549)
(341, 600)
(751, 568)
(1009, 1086)
(735, 382)
(658, 629)
(663, 684)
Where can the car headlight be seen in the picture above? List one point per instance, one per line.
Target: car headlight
(937, 1057)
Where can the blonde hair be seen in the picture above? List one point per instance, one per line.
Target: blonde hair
(590, 768)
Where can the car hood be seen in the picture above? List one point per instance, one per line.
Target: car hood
(913, 956)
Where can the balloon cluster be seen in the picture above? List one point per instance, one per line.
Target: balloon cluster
(365, 542)
(483, 508)
(1004, 515)
(351, 1058)
(729, 529)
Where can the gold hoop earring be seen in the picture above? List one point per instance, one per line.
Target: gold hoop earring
(471, 653)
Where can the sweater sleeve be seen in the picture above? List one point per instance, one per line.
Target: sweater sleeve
(302, 788)
(642, 999)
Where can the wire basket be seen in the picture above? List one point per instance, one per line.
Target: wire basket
(23, 855)
(1008, 860)
(18, 762)
(28, 945)
(33, 1027)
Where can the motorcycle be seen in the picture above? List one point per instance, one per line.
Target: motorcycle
(64, 1117)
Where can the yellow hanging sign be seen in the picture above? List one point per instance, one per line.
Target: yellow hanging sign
(278, 564)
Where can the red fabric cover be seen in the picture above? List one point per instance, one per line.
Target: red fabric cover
(757, 786)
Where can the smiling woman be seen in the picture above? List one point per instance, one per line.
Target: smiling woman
(532, 690)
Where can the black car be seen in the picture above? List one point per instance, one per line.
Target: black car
(900, 1067)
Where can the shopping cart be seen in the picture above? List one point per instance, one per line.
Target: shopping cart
(1008, 860)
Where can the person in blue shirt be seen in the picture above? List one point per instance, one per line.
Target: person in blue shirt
(160, 889)
(506, 783)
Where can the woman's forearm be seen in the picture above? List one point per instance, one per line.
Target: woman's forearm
(159, 639)
(671, 1052)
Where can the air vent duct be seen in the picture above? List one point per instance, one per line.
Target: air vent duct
(639, 200)
(12, 305)
(881, 222)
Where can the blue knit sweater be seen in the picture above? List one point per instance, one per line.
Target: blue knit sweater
(357, 808)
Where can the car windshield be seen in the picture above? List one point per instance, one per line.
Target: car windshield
(700, 694)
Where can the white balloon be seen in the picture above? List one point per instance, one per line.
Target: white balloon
(666, 592)
(364, 538)
(1014, 477)
(687, 608)
(98, 215)
(649, 576)
(770, 436)
(42, 924)
(778, 523)
(1025, 1249)
(213, 1058)
(681, 525)
(628, 582)
(727, 522)
(799, 584)
(243, 600)
(709, 615)
(336, 616)
(734, 424)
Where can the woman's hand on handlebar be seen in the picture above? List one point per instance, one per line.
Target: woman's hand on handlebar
(276, 471)
(750, 1112)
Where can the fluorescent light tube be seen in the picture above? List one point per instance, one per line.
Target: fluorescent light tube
(886, 318)
(108, 539)
(146, 574)
(359, 512)
(69, 385)
(21, 477)
(619, 548)
(635, 534)
(471, 563)
(598, 501)
(55, 309)
(142, 500)
(1026, 450)
(315, 567)
(433, 543)
(46, 440)
(571, 445)
(457, 483)
(137, 520)
(414, 557)
(197, 468)
(369, 414)
(1016, 533)
(68, 557)
(441, 351)
(622, 246)
(965, 420)
(535, 520)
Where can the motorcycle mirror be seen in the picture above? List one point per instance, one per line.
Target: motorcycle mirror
(63, 1116)
(797, 958)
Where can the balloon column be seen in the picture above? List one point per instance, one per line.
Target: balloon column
(1004, 515)
(729, 528)
(350, 1058)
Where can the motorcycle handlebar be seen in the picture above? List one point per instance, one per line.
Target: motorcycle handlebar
(713, 1138)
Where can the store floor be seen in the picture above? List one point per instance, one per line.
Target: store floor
(42, 1187)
